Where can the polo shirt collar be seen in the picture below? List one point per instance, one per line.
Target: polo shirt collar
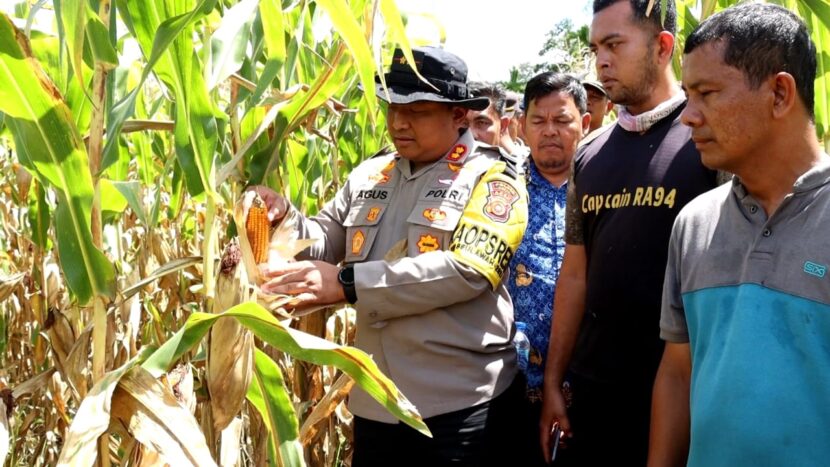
(816, 177)
(813, 178)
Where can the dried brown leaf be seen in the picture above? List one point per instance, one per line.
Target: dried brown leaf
(180, 380)
(154, 417)
(8, 284)
(76, 366)
(33, 384)
(335, 395)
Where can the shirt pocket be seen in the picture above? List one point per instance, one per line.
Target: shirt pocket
(361, 229)
(430, 227)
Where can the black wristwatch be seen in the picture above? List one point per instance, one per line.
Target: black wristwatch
(346, 279)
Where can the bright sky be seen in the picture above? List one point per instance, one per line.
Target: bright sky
(493, 35)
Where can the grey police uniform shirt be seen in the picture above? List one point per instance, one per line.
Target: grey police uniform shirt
(435, 326)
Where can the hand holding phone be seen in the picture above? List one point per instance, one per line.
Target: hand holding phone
(555, 434)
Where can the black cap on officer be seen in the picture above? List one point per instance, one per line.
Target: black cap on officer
(445, 72)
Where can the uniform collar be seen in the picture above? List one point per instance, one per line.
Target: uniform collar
(457, 154)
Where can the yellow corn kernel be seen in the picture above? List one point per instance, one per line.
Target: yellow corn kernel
(258, 229)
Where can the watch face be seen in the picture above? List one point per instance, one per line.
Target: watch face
(346, 275)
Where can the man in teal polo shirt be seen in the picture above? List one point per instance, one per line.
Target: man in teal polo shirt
(746, 303)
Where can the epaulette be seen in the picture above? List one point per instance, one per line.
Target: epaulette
(513, 165)
(383, 151)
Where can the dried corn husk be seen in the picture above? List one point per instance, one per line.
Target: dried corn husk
(284, 245)
(8, 284)
(230, 353)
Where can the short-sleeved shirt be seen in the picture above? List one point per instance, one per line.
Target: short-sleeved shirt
(534, 271)
(626, 192)
(751, 295)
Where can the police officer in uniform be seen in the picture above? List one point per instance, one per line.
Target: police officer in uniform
(419, 241)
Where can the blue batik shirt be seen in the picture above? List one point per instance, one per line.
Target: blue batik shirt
(534, 270)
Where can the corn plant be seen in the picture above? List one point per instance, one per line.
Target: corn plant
(129, 131)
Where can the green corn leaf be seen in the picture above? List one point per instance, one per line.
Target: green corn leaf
(821, 12)
(268, 394)
(131, 193)
(73, 19)
(273, 28)
(42, 125)
(112, 199)
(196, 130)
(821, 37)
(98, 38)
(300, 345)
(351, 32)
(39, 216)
(707, 8)
(228, 42)
(153, 35)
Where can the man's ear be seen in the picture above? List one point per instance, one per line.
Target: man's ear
(459, 116)
(609, 106)
(665, 46)
(586, 123)
(785, 94)
(505, 123)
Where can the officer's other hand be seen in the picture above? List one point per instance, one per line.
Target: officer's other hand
(553, 410)
(312, 282)
(276, 204)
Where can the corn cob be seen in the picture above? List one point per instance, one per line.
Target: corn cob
(258, 229)
(231, 346)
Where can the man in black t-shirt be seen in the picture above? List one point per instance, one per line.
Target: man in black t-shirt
(628, 185)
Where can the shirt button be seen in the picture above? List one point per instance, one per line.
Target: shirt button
(753, 209)
(767, 232)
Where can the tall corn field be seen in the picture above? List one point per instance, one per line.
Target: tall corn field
(130, 330)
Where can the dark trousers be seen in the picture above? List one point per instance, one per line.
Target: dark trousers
(480, 436)
(610, 423)
(529, 452)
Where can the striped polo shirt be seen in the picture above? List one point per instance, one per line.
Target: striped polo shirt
(751, 295)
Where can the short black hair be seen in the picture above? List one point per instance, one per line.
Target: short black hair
(761, 39)
(654, 19)
(549, 82)
(493, 91)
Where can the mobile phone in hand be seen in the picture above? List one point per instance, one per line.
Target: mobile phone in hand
(555, 434)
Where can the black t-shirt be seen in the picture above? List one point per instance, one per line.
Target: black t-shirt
(627, 189)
